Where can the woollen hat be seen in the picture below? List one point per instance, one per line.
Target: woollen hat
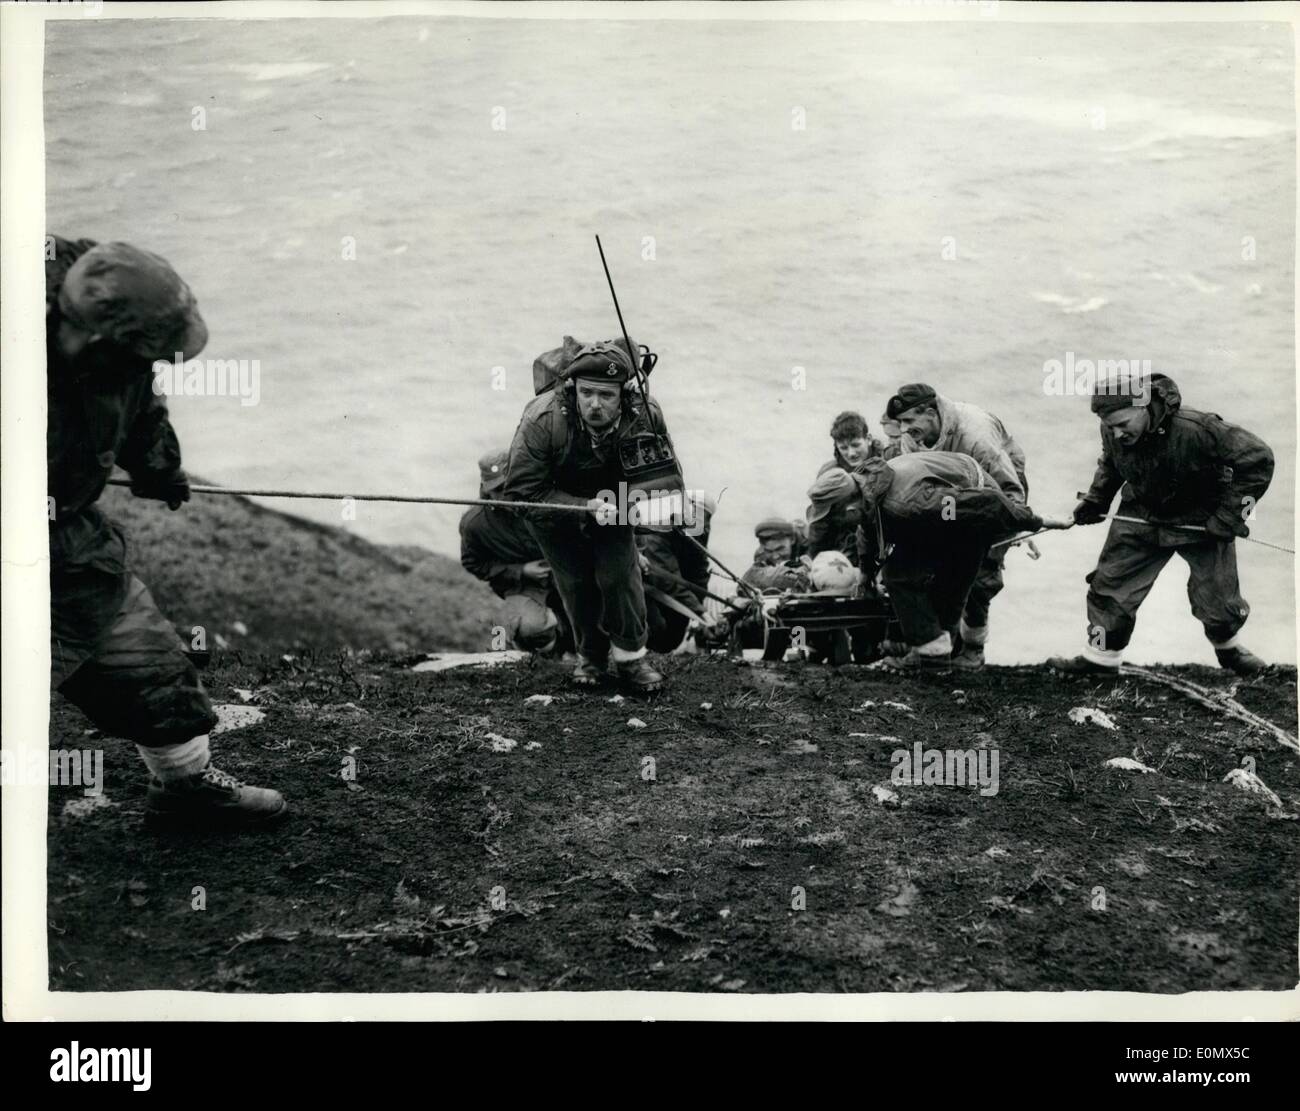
(832, 573)
(492, 470)
(135, 299)
(1123, 391)
(833, 487)
(769, 527)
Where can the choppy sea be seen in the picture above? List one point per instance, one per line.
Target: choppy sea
(839, 207)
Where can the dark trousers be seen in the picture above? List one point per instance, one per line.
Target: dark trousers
(987, 586)
(130, 675)
(1130, 561)
(929, 580)
(595, 569)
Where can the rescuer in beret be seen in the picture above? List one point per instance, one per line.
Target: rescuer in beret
(565, 451)
(1170, 466)
(931, 422)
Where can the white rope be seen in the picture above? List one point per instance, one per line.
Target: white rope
(1216, 700)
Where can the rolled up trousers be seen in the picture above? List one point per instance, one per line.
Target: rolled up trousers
(1127, 568)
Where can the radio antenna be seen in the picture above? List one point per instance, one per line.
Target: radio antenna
(631, 351)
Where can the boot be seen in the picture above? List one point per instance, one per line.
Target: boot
(970, 658)
(1240, 660)
(638, 675)
(589, 673)
(1080, 665)
(914, 662)
(212, 800)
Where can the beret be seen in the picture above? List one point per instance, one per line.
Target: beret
(909, 397)
(606, 362)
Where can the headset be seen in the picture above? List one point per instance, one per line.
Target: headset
(645, 453)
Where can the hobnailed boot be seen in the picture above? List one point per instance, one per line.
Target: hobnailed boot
(638, 675)
(1080, 665)
(1240, 660)
(214, 800)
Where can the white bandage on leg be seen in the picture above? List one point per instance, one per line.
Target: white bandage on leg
(177, 761)
(1231, 642)
(1106, 657)
(623, 655)
(940, 646)
(973, 634)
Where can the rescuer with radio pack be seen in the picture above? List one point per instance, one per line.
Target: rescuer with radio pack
(593, 437)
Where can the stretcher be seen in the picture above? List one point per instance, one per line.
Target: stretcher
(836, 627)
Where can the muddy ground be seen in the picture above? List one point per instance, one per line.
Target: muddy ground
(446, 865)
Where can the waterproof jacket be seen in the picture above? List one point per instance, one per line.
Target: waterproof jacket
(833, 527)
(102, 413)
(1187, 467)
(931, 499)
(970, 430)
(554, 459)
(494, 546)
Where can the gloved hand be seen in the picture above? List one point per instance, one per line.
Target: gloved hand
(1218, 528)
(1089, 513)
(706, 623)
(536, 571)
(174, 488)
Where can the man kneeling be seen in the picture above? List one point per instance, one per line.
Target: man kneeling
(496, 546)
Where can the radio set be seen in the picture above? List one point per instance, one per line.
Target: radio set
(645, 453)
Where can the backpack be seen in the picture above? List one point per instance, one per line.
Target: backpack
(550, 367)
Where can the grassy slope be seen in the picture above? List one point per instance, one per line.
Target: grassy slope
(295, 583)
(606, 879)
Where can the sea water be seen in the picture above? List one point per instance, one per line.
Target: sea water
(394, 216)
